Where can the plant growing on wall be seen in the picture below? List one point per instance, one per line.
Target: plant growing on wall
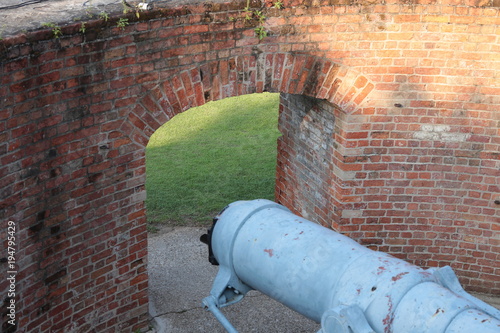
(278, 4)
(122, 23)
(258, 15)
(56, 30)
(248, 11)
(260, 32)
(104, 16)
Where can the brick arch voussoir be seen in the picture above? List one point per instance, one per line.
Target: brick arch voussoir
(301, 74)
(317, 77)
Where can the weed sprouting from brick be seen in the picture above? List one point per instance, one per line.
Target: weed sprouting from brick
(56, 30)
(122, 23)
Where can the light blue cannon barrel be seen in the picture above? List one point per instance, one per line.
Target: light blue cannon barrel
(332, 279)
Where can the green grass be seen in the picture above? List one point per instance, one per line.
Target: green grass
(212, 155)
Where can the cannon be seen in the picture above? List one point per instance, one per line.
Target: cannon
(331, 279)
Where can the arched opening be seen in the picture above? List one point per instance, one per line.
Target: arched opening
(317, 87)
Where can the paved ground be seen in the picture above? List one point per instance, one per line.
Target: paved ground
(181, 276)
(19, 16)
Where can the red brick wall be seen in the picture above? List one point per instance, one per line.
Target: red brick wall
(412, 88)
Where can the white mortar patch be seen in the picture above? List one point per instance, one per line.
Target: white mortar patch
(349, 213)
(440, 133)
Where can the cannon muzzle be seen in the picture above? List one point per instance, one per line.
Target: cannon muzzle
(331, 279)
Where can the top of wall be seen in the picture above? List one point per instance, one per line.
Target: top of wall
(20, 16)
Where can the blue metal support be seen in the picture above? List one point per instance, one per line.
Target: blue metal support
(210, 304)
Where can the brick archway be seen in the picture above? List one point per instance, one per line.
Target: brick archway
(336, 89)
(298, 74)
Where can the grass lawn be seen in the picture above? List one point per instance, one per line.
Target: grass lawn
(210, 156)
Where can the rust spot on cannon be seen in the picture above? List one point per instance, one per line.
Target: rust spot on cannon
(269, 251)
(399, 276)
